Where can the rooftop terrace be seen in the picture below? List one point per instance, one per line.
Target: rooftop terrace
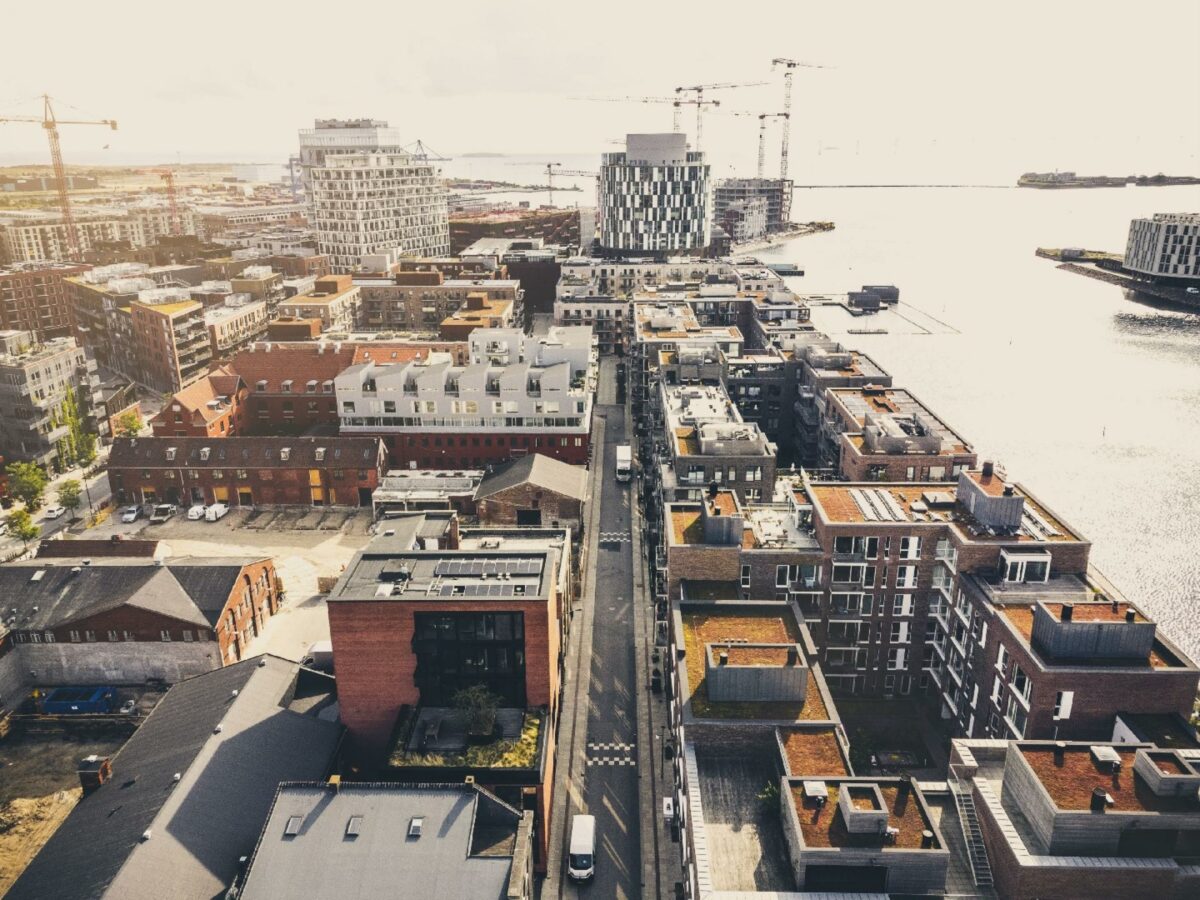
(812, 751)
(1070, 777)
(757, 627)
(822, 824)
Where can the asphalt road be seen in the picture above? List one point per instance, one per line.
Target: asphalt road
(98, 488)
(611, 780)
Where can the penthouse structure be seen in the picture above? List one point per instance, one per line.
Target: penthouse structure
(517, 394)
(423, 612)
(885, 434)
(1106, 819)
(334, 300)
(49, 395)
(1166, 246)
(235, 324)
(371, 202)
(33, 297)
(708, 442)
(655, 198)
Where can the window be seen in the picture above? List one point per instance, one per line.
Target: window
(843, 574)
(1062, 704)
(900, 632)
(112, 636)
(781, 576)
(906, 576)
(745, 577)
(187, 635)
(164, 635)
(1021, 683)
(89, 636)
(74, 637)
(902, 605)
(1024, 568)
(1002, 659)
(897, 659)
(910, 548)
(997, 686)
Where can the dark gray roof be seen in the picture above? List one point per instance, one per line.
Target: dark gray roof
(209, 581)
(465, 850)
(190, 589)
(201, 825)
(543, 471)
(60, 595)
(247, 452)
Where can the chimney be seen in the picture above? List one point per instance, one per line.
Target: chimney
(1116, 607)
(793, 658)
(988, 468)
(1068, 610)
(1060, 751)
(1130, 615)
(1099, 800)
(94, 771)
(335, 783)
(1008, 490)
(712, 489)
(723, 658)
(926, 840)
(904, 787)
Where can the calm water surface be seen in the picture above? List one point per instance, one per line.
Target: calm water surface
(1091, 400)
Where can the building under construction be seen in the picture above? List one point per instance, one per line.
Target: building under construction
(553, 226)
(776, 191)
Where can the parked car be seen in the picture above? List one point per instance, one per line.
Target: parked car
(131, 514)
(162, 513)
(196, 512)
(216, 511)
(1193, 290)
(54, 512)
(319, 657)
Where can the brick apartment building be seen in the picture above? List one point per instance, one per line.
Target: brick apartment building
(214, 406)
(123, 620)
(335, 300)
(33, 297)
(423, 612)
(246, 471)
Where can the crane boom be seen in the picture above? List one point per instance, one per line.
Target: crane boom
(789, 67)
(700, 102)
(50, 124)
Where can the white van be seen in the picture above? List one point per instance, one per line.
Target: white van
(214, 512)
(624, 462)
(581, 858)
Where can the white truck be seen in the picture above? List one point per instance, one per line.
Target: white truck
(624, 462)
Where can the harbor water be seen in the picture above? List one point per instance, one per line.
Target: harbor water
(1089, 398)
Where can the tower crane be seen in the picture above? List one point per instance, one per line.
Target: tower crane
(50, 122)
(762, 135)
(700, 102)
(168, 178)
(677, 101)
(550, 173)
(789, 68)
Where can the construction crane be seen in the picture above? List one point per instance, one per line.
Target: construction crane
(677, 102)
(789, 68)
(762, 135)
(550, 173)
(168, 178)
(699, 102)
(50, 122)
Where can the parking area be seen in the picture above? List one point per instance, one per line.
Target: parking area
(306, 544)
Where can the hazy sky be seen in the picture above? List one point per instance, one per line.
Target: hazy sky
(915, 90)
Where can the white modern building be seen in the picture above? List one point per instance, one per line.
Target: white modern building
(373, 202)
(655, 198)
(329, 137)
(517, 394)
(1167, 245)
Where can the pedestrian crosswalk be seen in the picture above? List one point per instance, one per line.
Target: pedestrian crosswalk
(611, 753)
(614, 537)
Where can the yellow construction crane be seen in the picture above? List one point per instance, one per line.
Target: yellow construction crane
(50, 122)
(699, 102)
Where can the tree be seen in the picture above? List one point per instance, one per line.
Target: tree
(478, 704)
(27, 482)
(21, 525)
(128, 424)
(70, 495)
(85, 451)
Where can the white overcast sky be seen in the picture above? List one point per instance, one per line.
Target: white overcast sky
(914, 89)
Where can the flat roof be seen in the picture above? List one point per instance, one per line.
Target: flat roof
(400, 574)
(744, 626)
(1069, 779)
(822, 825)
(1021, 618)
(812, 751)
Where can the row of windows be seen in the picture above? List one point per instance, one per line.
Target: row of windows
(77, 636)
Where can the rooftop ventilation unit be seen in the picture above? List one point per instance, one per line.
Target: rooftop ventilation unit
(415, 826)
